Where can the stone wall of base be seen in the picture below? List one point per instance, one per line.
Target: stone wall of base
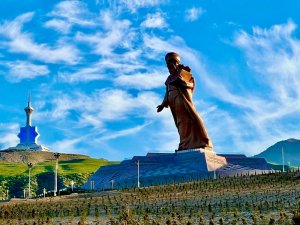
(167, 168)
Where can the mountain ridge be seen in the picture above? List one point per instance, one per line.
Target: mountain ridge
(291, 152)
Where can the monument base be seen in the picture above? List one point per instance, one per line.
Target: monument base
(206, 149)
(33, 147)
(166, 168)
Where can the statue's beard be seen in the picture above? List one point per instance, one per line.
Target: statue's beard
(172, 69)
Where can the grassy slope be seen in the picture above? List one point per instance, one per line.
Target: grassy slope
(74, 166)
(14, 176)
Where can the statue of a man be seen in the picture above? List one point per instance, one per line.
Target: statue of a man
(180, 86)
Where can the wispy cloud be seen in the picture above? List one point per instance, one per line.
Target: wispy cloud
(116, 34)
(95, 113)
(121, 133)
(59, 25)
(20, 70)
(8, 133)
(134, 5)
(88, 74)
(149, 80)
(66, 145)
(69, 13)
(275, 54)
(193, 13)
(23, 42)
(107, 68)
(155, 20)
(102, 105)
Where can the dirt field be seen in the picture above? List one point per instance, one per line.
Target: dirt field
(261, 199)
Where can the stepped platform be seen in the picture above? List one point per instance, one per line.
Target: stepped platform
(166, 168)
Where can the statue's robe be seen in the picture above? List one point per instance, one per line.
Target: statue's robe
(179, 92)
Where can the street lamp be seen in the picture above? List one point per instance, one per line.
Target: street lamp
(138, 173)
(215, 175)
(29, 186)
(56, 156)
(282, 154)
(112, 184)
(72, 185)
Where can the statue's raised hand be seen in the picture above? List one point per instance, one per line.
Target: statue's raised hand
(160, 108)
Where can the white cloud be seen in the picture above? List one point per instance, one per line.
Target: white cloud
(149, 80)
(23, 42)
(69, 13)
(96, 112)
(116, 34)
(193, 13)
(66, 145)
(107, 68)
(275, 54)
(155, 20)
(121, 133)
(20, 70)
(59, 25)
(8, 133)
(134, 5)
(102, 105)
(82, 75)
(279, 51)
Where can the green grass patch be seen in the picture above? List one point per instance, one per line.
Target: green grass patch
(12, 169)
(73, 166)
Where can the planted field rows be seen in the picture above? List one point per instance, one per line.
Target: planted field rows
(261, 199)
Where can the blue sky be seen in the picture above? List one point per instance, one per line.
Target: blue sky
(96, 72)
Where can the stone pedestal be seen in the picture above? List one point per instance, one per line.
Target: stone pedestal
(166, 168)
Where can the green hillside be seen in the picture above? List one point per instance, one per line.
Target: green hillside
(14, 175)
(73, 166)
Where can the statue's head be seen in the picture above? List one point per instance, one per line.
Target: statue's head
(172, 61)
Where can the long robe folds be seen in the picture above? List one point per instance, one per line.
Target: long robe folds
(191, 129)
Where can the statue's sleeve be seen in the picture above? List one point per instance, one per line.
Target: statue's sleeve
(165, 102)
(183, 79)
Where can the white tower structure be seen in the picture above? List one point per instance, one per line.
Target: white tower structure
(29, 134)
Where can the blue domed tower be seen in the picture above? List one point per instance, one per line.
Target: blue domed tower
(29, 134)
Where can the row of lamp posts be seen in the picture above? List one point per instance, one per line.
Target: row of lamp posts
(56, 156)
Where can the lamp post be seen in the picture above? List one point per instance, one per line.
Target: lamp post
(112, 184)
(92, 185)
(282, 152)
(56, 156)
(138, 166)
(29, 173)
(215, 175)
(72, 185)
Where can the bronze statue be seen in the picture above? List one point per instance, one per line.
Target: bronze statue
(180, 86)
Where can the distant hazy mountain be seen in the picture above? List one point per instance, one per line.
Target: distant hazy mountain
(291, 149)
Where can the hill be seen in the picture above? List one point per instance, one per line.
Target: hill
(291, 148)
(26, 156)
(72, 167)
